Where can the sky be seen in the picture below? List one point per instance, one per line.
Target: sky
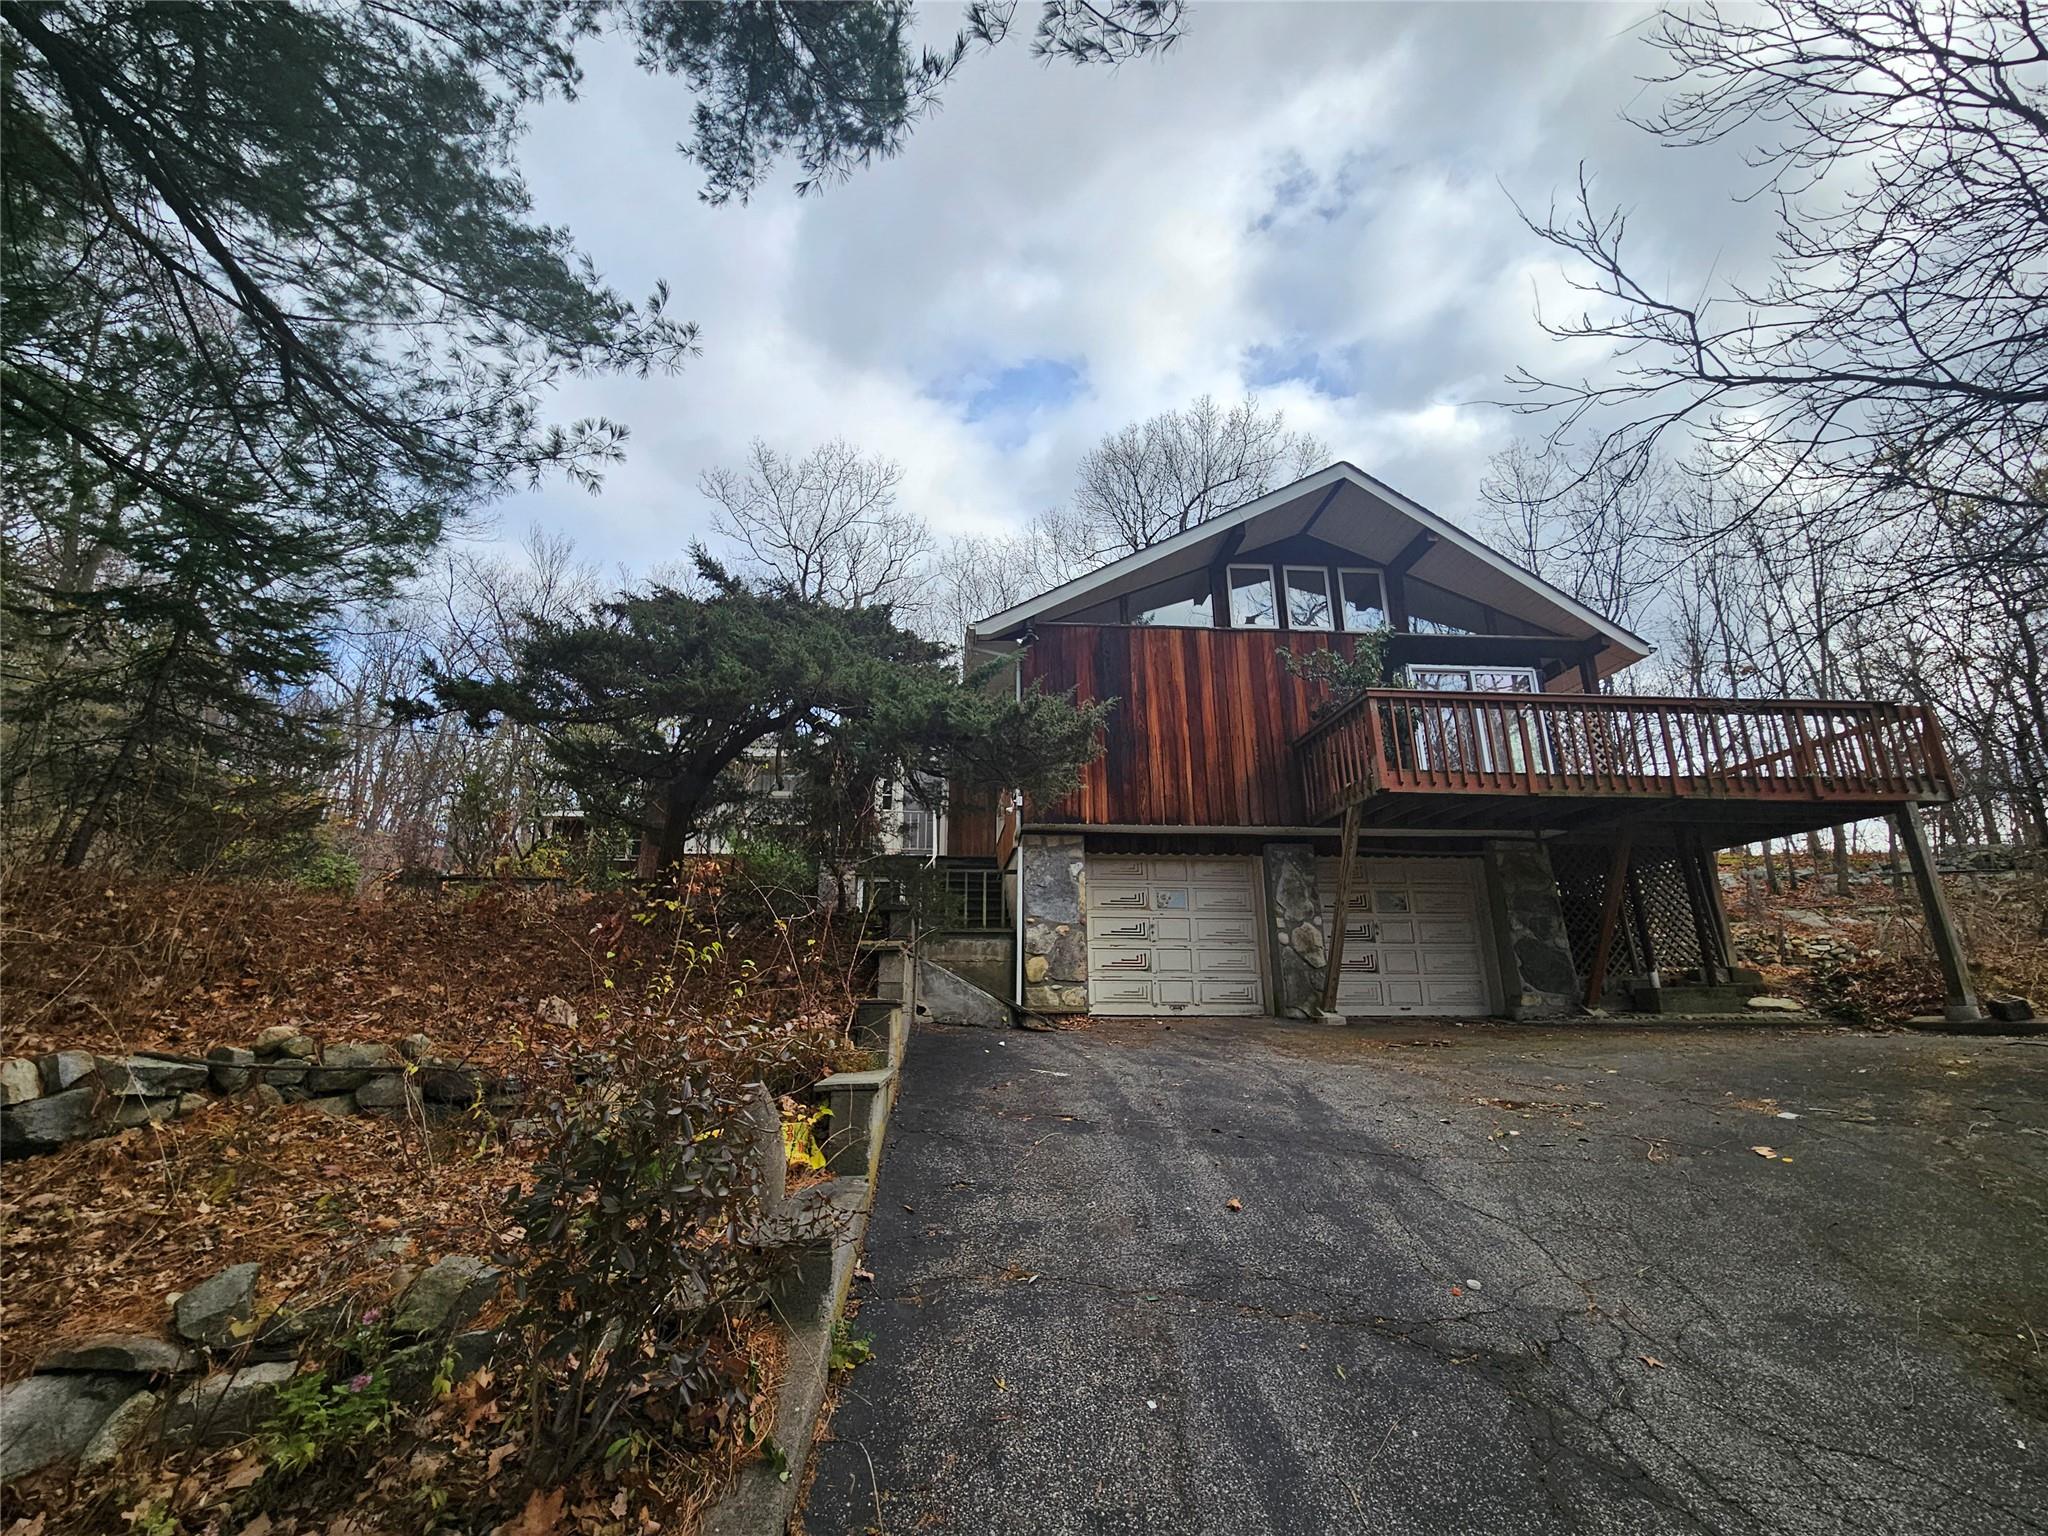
(1315, 202)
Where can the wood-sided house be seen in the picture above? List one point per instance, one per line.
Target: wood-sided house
(1502, 836)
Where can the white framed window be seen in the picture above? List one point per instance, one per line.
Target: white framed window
(1308, 597)
(1363, 601)
(1253, 604)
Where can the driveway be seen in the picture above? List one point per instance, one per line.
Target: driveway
(1226, 1277)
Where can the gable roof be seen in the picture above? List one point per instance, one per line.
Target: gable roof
(1348, 507)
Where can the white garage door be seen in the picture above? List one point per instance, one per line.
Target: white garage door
(1168, 934)
(1415, 942)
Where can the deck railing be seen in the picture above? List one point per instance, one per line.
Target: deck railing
(1408, 741)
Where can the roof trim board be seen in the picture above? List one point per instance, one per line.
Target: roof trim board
(1329, 481)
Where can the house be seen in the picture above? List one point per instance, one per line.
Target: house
(1501, 836)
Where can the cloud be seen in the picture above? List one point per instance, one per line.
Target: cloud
(1310, 201)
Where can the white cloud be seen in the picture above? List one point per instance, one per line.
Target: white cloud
(1293, 182)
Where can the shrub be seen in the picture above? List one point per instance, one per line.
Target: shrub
(645, 1245)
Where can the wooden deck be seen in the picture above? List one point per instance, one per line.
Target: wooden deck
(1770, 760)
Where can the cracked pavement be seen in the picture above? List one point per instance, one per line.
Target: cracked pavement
(1492, 1279)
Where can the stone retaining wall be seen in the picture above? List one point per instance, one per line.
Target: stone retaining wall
(69, 1096)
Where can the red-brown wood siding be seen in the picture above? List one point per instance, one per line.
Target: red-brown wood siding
(970, 820)
(1201, 733)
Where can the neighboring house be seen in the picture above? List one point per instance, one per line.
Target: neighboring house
(1520, 842)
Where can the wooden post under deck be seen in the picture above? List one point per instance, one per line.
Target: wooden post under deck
(1347, 864)
(1959, 1005)
(1610, 913)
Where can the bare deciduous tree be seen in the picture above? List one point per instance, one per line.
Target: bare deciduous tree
(1894, 356)
(1156, 478)
(826, 523)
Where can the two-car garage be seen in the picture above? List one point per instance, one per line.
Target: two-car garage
(1180, 934)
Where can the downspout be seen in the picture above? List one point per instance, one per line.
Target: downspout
(1017, 808)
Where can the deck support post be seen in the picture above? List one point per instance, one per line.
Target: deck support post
(1610, 914)
(1347, 865)
(1709, 923)
(1959, 1004)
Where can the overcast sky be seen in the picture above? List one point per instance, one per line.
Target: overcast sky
(1312, 201)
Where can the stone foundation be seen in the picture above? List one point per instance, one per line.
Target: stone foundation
(1054, 882)
(1297, 949)
(1531, 945)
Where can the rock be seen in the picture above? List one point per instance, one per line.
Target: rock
(336, 1106)
(1768, 1004)
(228, 1406)
(416, 1048)
(45, 1124)
(44, 1419)
(388, 1091)
(411, 1370)
(66, 1069)
(129, 1113)
(130, 1354)
(150, 1077)
(118, 1430)
(267, 1096)
(283, 1073)
(2008, 1009)
(448, 1295)
(19, 1080)
(556, 1011)
(346, 1067)
(286, 1040)
(229, 1071)
(450, 1085)
(525, 1130)
(207, 1313)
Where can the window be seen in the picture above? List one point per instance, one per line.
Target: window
(1365, 601)
(1308, 597)
(1433, 611)
(1183, 601)
(1252, 604)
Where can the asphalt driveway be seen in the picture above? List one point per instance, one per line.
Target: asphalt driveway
(1488, 1279)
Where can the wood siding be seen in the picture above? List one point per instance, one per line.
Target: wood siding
(1203, 731)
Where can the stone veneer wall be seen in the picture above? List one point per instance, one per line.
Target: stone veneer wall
(1054, 884)
(1531, 945)
(1297, 948)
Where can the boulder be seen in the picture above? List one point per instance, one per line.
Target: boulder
(285, 1040)
(450, 1085)
(207, 1313)
(416, 1048)
(66, 1069)
(392, 1091)
(267, 1096)
(558, 1012)
(129, 1113)
(45, 1124)
(44, 1419)
(446, 1296)
(283, 1072)
(2009, 1009)
(229, 1071)
(119, 1428)
(411, 1370)
(344, 1068)
(19, 1080)
(336, 1106)
(225, 1407)
(129, 1354)
(150, 1077)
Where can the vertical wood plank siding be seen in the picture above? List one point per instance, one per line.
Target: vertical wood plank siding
(1202, 733)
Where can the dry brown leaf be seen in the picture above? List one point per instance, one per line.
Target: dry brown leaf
(541, 1514)
(260, 1526)
(1652, 1362)
(1765, 1151)
(243, 1473)
(1233, 1204)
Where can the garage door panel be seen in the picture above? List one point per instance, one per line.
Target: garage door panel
(1422, 948)
(1173, 933)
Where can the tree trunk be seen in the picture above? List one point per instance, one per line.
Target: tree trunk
(1841, 861)
(1771, 871)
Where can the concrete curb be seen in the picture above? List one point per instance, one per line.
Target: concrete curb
(764, 1494)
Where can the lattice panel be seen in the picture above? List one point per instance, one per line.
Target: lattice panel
(1581, 890)
(1664, 907)
(1656, 922)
